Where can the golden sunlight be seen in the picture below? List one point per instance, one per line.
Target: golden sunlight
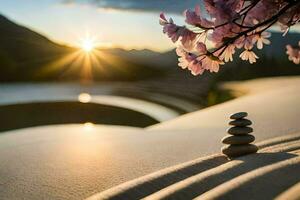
(87, 45)
(85, 60)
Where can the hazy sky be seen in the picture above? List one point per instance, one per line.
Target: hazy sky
(123, 23)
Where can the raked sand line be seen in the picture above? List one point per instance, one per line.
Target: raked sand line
(278, 140)
(285, 147)
(146, 185)
(263, 183)
(293, 193)
(183, 178)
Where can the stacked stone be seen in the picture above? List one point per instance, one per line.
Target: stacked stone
(238, 141)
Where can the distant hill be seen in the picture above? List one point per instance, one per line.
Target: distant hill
(24, 43)
(22, 50)
(162, 61)
(24, 54)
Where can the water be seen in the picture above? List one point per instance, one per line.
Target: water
(15, 98)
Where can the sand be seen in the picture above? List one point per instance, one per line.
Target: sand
(76, 162)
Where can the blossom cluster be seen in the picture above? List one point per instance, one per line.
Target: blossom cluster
(294, 53)
(217, 29)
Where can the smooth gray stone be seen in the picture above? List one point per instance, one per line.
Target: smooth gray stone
(239, 115)
(238, 139)
(239, 130)
(240, 122)
(239, 150)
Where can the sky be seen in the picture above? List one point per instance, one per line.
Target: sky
(129, 24)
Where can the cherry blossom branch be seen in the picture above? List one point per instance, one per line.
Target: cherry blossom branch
(271, 20)
(229, 24)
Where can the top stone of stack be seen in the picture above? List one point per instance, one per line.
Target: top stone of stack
(239, 115)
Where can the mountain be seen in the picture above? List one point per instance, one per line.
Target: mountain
(22, 50)
(163, 61)
(24, 43)
(28, 56)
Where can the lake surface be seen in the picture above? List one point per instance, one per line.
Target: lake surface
(35, 99)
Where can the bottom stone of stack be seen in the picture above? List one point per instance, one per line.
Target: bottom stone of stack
(239, 150)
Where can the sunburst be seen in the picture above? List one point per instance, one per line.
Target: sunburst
(88, 45)
(85, 60)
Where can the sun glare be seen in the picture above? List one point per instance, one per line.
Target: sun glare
(87, 45)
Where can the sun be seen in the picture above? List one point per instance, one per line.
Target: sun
(88, 45)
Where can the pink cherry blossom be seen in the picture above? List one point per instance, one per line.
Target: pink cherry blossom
(189, 61)
(249, 55)
(293, 53)
(261, 39)
(227, 55)
(245, 42)
(201, 48)
(184, 58)
(222, 10)
(186, 37)
(195, 18)
(196, 67)
(212, 63)
(220, 34)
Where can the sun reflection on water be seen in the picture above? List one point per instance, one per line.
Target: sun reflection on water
(84, 98)
(88, 126)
